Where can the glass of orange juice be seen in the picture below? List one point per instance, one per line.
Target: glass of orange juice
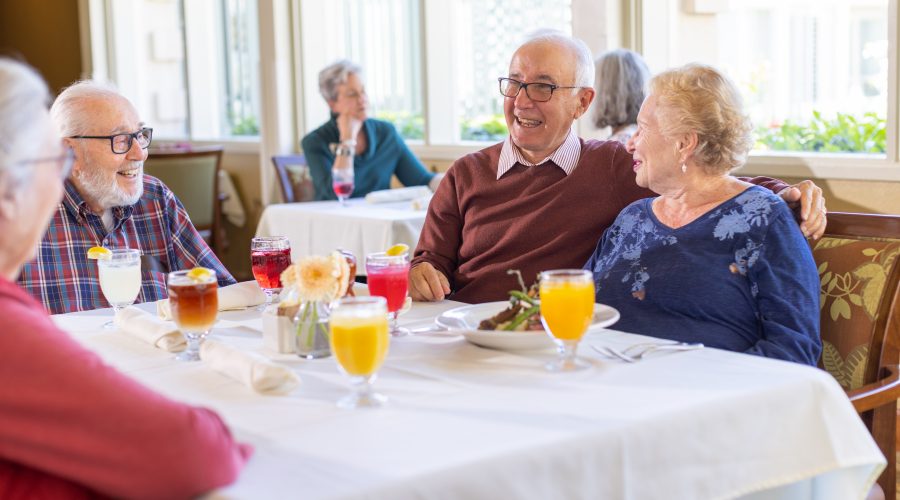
(359, 342)
(567, 309)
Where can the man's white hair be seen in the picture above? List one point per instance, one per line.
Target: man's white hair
(584, 59)
(68, 109)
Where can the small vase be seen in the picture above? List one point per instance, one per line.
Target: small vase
(311, 324)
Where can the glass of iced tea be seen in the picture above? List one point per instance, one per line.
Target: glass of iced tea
(567, 309)
(359, 342)
(342, 182)
(388, 277)
(269, 257)
(194, 299)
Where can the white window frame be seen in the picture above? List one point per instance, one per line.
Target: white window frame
(798, 164)
(98, 50)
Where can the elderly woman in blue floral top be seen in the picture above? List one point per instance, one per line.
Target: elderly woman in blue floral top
(712, 259)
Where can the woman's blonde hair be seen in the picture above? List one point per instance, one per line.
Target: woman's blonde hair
(698, 98)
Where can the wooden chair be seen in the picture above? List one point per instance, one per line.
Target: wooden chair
(193, 175)
(293, 178)
(860, 321)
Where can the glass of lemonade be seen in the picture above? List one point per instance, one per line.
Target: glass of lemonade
(359, 342)
(194, 299)
(120, 279)
(567, 308)
(388, 276)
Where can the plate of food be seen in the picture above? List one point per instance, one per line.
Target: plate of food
(486, 324)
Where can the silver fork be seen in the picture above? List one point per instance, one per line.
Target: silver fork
(624, 355)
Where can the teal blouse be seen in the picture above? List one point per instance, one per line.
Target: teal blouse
(385, 155)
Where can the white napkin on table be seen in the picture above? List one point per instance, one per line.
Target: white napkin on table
(236, 296)
(249, 368)
(147, 327)
(399, 194)
(421, 203)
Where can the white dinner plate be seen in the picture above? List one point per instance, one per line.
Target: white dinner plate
(465, 320)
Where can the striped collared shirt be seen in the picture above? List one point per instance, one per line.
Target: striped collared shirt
(64, 280)
(565, 157)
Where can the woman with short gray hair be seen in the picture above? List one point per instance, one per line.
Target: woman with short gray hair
(622, 76)
(70, 425)
(353, 147)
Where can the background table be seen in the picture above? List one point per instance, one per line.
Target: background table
(467, 422)
(319, 227)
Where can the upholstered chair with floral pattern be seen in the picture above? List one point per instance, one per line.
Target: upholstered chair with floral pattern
(859, 269)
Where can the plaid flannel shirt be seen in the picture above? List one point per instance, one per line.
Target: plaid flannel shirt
(65, 280)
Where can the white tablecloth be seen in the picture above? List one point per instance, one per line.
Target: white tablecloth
(317, 228)
(472, 423)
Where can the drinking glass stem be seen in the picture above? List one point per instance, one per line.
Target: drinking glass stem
(270, 296)
(362, 387)
(193, 345)
(567, 350)
(396, 331)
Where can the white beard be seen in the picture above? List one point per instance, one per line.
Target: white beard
(108, 195)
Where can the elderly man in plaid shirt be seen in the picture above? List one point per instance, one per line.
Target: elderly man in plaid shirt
(109, 202)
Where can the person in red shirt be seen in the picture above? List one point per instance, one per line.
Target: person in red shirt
(70, 425)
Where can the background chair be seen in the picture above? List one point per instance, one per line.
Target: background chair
(293, 178)
(193, 175)
(859, 274)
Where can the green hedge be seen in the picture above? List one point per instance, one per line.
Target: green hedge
(845, 133)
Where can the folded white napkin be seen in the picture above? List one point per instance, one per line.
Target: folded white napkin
(249, 368)
(421, 203)
(399, 194)
(147, 327)
(236, 296)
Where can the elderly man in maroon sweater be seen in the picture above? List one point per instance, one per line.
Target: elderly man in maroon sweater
(542, 198)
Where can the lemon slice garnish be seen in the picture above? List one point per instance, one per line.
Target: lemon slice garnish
(99, 253)
(398, 249)
(199, 274)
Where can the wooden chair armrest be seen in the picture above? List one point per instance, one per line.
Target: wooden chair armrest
(876, 394)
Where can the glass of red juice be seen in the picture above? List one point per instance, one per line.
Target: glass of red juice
(388, 277)
(342, 183)
(269, 257)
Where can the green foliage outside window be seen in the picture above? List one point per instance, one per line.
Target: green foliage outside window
(245, 126)
(484, 128)
(409, 126)
(845, 133)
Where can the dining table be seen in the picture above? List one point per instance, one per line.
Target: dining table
(467, 422)
(319, 227)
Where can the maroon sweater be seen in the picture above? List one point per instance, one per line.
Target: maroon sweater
(532, 219)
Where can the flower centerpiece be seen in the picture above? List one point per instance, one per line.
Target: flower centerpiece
(313, 283)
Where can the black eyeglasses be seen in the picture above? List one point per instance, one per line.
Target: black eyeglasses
(536, 91)
(121, 143)
(62, 162)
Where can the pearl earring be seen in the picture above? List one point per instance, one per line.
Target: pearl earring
(684, 168)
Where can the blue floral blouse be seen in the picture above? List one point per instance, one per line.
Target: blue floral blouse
(740, 277)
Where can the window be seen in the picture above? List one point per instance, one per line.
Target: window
(483, 48)
(813, 73)
(468, 44)
(190, 67)
(390, 58)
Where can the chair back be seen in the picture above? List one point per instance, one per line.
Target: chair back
(857, 259)
(860, 323)
(193, 175)
(293, 178)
